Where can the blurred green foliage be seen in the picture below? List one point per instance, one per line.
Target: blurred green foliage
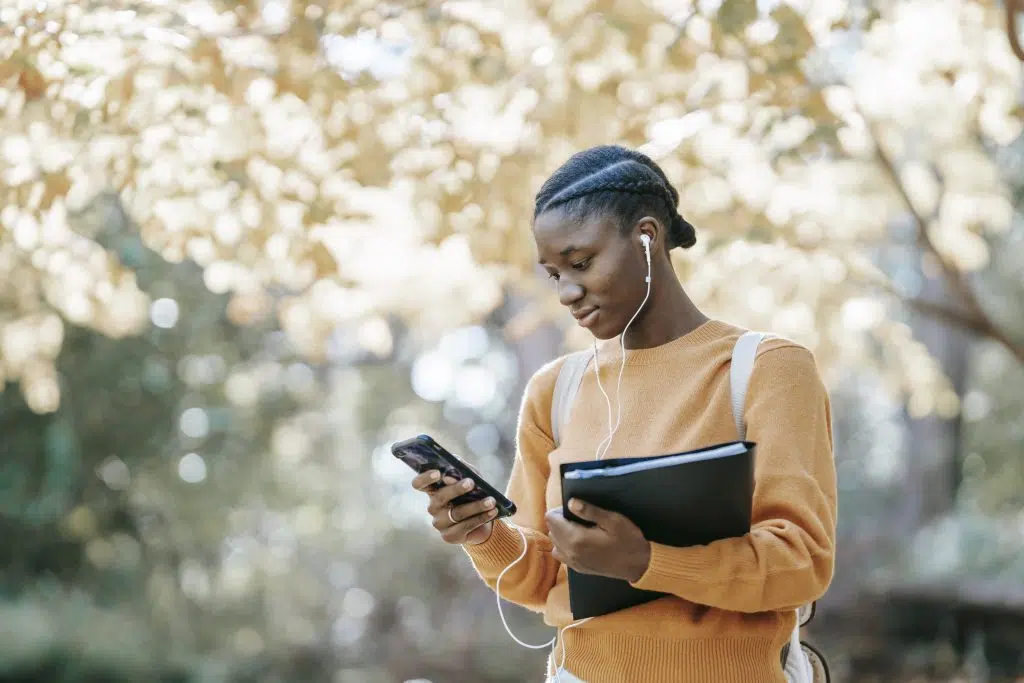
(211, 501)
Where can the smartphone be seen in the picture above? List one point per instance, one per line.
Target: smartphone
(423, 454)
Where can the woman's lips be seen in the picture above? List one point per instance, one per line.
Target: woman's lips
(588, 318)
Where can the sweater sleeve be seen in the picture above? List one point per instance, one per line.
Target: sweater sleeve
(787, 558)
(528, 582)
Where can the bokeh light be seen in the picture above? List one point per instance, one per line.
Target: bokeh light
(245, 247)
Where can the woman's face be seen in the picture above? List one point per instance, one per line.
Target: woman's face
(600, 271)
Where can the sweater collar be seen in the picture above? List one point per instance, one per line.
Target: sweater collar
(706, 333)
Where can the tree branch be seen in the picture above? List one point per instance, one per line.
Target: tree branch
(954, 276)
(1012, 7)
(974, 318)
(936, 310)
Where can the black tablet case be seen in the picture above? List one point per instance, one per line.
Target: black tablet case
(681, 505)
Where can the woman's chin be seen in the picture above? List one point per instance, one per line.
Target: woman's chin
(604, 333)
(599, 326)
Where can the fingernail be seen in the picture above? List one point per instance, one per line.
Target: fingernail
(466, 484)
(489, 503)
(435, 475)
(491, 513)
(575, 505)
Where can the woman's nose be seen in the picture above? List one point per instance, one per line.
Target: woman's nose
(569, 292)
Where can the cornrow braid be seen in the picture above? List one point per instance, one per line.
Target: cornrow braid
(614, 180)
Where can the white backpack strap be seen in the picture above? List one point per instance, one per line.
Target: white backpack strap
(568, 383)
(743, 355)
(797, 667)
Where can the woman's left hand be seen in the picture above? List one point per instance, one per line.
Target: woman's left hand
(615, 547)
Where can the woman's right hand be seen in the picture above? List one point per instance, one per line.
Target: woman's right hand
(468, 524)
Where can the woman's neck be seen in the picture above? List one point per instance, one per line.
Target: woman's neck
(668, 315)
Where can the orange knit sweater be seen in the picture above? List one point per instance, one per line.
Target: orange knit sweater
(730, 609)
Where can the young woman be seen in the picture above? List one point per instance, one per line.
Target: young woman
(730, 607)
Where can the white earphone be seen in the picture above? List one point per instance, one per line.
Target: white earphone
(606, 444)
(646, 241)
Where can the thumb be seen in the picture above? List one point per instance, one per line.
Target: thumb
(599, 516)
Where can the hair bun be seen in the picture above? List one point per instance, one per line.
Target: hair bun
(682, 233)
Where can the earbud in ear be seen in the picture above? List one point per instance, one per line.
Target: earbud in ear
(646, 240)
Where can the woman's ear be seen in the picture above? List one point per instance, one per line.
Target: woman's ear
(649, 226)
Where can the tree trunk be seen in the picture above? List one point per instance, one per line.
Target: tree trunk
(933, 451)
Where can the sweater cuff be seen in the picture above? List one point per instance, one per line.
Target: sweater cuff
(503, 547)
(670, 566)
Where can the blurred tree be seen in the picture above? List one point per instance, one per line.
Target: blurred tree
(115, 506)
(347, 154)
(203, 499)
(1013, 8)
(342, 181)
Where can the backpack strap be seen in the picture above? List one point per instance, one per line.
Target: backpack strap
(570, 375)
(797, 662)
(743, 355)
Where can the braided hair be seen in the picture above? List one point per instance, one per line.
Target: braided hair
(613, 180)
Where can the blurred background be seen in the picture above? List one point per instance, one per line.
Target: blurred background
(245, 246)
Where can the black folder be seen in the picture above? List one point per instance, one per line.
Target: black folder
(683, 499)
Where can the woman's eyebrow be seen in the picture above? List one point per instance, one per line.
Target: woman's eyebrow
(565, 252)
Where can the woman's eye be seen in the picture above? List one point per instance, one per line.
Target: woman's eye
(553, 276)
(581, 265)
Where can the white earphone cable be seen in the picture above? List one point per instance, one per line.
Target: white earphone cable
(497, 591)
(606, 443)
(622, 366)
(553, 643)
